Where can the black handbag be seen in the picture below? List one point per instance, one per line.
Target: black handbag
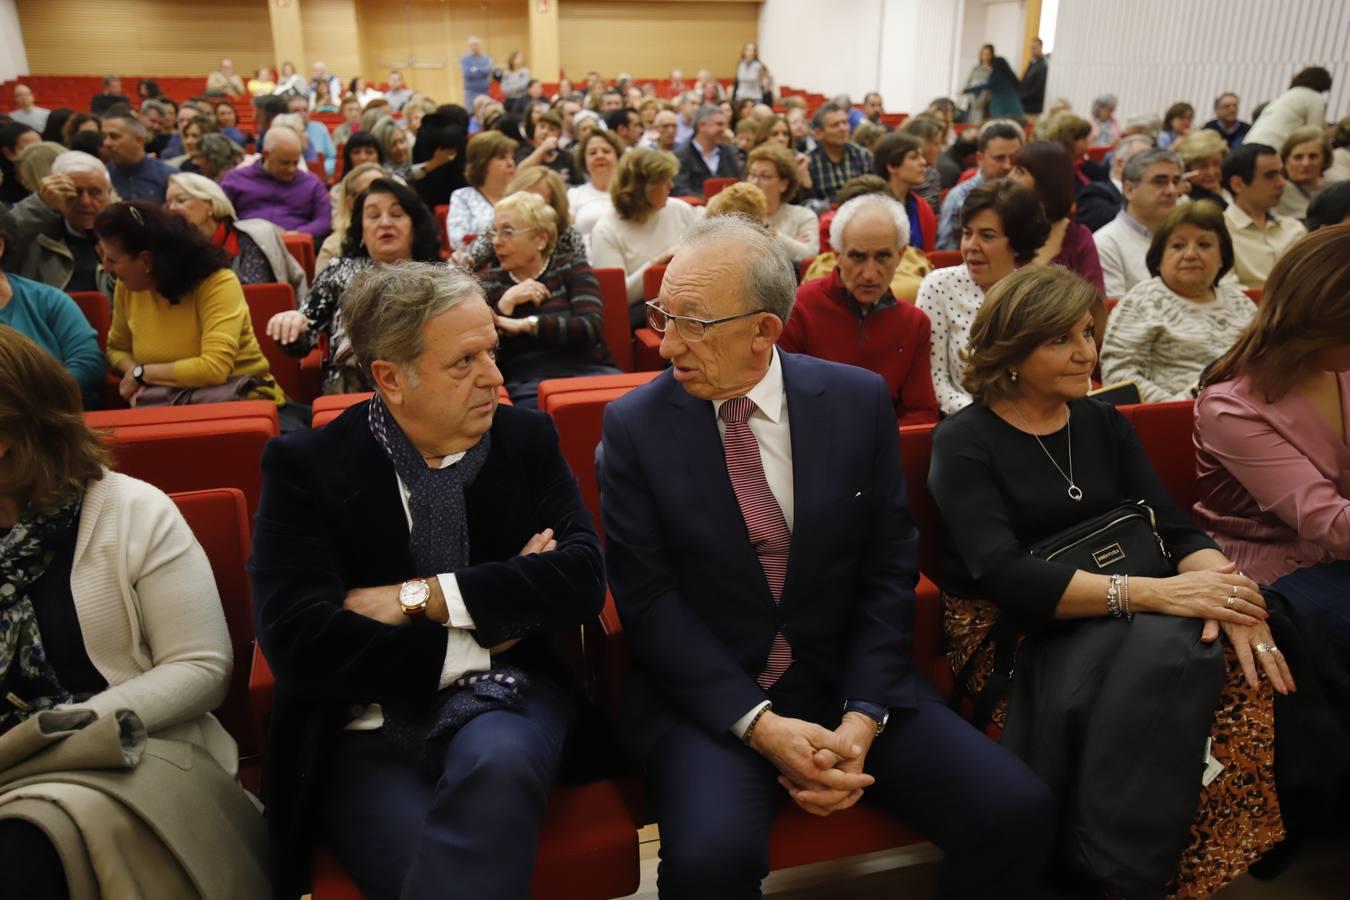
(1123, 540)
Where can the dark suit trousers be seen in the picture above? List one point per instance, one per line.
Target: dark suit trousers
(715, 800)
(470, 833)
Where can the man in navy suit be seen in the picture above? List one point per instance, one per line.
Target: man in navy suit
(422, 539)
(763, 562)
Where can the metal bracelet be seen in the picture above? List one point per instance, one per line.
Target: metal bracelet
(1113, 597)
(1125, 597)
(750, 729)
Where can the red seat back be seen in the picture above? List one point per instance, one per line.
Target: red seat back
(301, 246)
(219, 520)
(714, 186)
(1097, 154)
(554, 387)
(441, 212)
(330, 406)
(651, 282)
(264, 302)
(1165, 431)
(614, 296)
(94, 305)
(942, 259)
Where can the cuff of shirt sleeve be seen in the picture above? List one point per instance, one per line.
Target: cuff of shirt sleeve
(454, 603)
(739, 727)
(462, 656)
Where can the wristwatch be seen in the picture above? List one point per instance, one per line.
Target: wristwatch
(138, 373)
(412, 597)
(874, 711)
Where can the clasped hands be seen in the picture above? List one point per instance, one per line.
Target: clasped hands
(821, 770)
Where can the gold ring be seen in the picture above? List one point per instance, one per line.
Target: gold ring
(1263, 647)
(1232, 598)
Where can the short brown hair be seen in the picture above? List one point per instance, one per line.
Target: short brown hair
(741, 198)
(1308, 134)
(483, 149)
(781, 160)
(53, 454)
(637, 169)
(1203, 214)
(1305, 309)
(1066, 128)
(892, 150)
(1021, 312)
(1019, 210)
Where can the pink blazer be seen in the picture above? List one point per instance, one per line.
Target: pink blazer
(1274, 480)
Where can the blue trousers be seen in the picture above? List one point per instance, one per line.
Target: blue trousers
(1323, 592)
(470, 833)
(716, 800)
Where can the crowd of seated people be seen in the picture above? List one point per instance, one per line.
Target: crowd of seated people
(170, 216)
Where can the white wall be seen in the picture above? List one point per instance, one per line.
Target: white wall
(13, 58)
(1152, 53)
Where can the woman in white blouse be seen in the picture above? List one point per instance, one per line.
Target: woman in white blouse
(646, 224)
(771, 168)
(1002, 227)
(1167, 330)
(599, 154)
(489, 166)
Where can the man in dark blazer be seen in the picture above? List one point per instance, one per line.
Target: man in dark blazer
(706, 155)
(763, 561)
(420, 539)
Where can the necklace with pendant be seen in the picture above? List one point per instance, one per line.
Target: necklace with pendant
(1075, 492)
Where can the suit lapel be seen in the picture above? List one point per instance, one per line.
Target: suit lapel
(811, 464)
(372, 507)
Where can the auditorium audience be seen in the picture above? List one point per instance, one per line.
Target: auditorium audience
(253, 248)
(393, 141)
(489, 168)
(733, 663)
(1269, 431)
(14, 137)
(998, 142)
(707, 155)
(112, 613)
(1307, 156)
(398, 94)
(646, 224)
(930, 133)
(546, 183)
(25, 111)
(1202, 153)
(279, 189)
(834, 160)
(546, 307)
(771, 168)
(1045, 167)
(1226, 123)
(1253, 175)
(192, 134)
(914, 265)
(317, 140)
(181, 331)
(226, 81)
(1167, 329)
(1003, 89)
(543, 150)
(515, 77)
(900, 159)
(111, 96)
(477, 70)
(1152, 182)
(1002, 228)
(135, 175)
(999, 474)
(346, 191)
(1105, 128)
(1304, 104)
(1099, 201)
(665, 130)
(851, 316)
(389, 224)
(1176, 124)
(350, 110)
(377, 640)
(48, 317)
(598, 154)
(56, 224)
(264, 81)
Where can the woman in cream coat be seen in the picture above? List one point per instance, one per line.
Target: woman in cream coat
(107, 606)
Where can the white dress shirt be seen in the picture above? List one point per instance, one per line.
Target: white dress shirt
(462, 652)
(769, 424)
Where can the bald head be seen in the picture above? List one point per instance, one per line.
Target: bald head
(281, 154)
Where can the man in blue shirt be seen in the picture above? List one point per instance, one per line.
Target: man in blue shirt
(999, 140)
(135, 176)
(317, 138)
(477, 69)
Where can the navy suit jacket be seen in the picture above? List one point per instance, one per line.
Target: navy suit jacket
(330, 520)
(697, 612)
(694, 171)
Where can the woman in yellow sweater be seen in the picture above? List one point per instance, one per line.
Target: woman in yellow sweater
(180, 321)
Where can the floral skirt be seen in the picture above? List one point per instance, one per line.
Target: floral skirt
(1238, 819)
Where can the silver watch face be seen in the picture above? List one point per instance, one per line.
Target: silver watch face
(413, 594)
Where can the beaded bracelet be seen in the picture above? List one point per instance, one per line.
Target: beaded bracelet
(1125, 598)
(1113, 597)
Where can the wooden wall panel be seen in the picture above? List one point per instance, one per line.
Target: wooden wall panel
(331, 35)
(649, 39)
(164, 37)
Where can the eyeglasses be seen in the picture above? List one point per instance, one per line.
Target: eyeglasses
(688, 327)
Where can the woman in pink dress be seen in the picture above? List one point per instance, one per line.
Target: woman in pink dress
(1272, 432)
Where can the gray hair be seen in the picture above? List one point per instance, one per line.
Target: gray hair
(386, 308)
(202, 188)
(818, 120)
(704, 112)
(770, 277)
(153, 105)
(134, 125)
(74, 162)
(1139, 163)
(870, 203)
(274, 135)
(294, 122)
(1128, 148)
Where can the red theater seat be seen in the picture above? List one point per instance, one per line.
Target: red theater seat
(441, 212)
(618, 334)
(95, 306)
(1166, 433)
(330, 406)
(301, 247)
(298, 376)
(942, 259)
(714, 186)
(1097, 154)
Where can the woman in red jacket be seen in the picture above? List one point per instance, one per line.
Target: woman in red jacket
(900, 160)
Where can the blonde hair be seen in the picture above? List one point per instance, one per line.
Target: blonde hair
(536, 212)
(34, 162)
(483, 149)
(1200, 143)
(346, 197)
(741, 198)
(638, 168)
(1308, 134)
(557, 190)
(1021, 312)
(203, 188)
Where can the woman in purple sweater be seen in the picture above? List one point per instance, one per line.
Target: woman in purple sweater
(1046, 168)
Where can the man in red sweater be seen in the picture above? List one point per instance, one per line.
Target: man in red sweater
(851, 316)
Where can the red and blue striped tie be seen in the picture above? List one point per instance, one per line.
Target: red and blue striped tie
(764, 522)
